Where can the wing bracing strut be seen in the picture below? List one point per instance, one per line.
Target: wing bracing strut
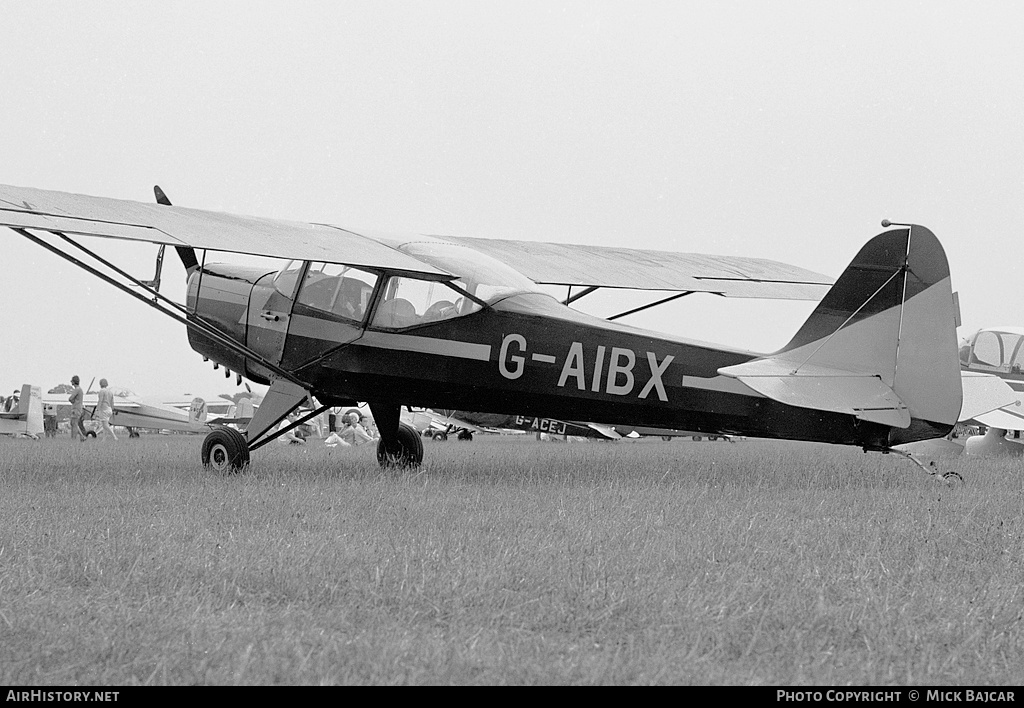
(190, 320)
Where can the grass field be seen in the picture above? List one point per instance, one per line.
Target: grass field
(507, 561)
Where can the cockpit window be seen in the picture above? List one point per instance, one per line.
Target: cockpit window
(341, 290)
(284, 281)
(485, 277)
(997, 352)
(409, 301)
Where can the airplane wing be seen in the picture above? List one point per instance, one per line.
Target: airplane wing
(179, 226)
(544, 263)
(594, 266)
(89, 401)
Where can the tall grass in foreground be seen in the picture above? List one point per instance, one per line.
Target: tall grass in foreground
(506, 561)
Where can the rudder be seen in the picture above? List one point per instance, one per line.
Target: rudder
(881, 345)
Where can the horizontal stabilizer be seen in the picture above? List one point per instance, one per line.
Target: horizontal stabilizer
(865, 396)
(985, 393)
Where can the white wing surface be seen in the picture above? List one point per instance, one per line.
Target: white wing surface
(216, 231)
(544, 263)
(597, 266)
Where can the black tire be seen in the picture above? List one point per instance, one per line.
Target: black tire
(406, 452)
(90, 433)
(697, 438)
(440, 436)
(225, 450)
(428, 433)
(465, 435)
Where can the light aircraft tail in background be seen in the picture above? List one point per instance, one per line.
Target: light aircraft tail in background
(27, 419)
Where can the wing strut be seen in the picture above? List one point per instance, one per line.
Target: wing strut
(670, 298)
(570, 298)
(192, 322)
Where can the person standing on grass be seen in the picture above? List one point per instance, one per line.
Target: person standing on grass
(104, 409)
(77, 399)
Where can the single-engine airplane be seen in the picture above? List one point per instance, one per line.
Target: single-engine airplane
(133, 411)
(460, 323)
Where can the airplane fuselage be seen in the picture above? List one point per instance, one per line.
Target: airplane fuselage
(525, 354)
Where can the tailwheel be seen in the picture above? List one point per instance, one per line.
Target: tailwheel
(405, 451)
(225, 450)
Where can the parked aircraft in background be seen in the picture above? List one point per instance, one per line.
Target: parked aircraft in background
(446, 323)
(133, 411)
(27, 419)
(438, 425)
(579, 429)
(999, 352)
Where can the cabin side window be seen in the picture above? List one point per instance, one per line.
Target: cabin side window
(340, 290)
(409, 301)
(987, 352)
(286, 278)
(1016, 352)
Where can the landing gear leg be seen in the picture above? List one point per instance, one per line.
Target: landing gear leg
(400, 445)
(931, 469)
(227, 450)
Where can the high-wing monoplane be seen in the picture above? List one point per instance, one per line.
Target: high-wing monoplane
(133, 411)
(460, 323)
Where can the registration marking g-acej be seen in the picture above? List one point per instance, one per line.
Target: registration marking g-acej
(426, 345)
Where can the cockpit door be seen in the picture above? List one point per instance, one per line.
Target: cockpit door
(270, 311)
(331, 306)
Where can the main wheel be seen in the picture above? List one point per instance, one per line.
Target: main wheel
(407, 451)
(440, 436)
(225, 450)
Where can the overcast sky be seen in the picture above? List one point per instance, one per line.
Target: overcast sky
(784, 130)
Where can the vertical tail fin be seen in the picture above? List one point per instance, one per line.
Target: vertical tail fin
(881, 345)
(197, 411)
(30, 405)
